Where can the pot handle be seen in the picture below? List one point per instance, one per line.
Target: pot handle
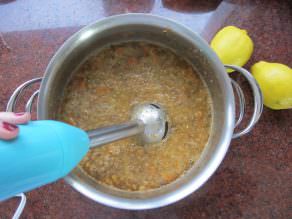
(10, 108)
(257, 96)
(241, 100)
(17, 93)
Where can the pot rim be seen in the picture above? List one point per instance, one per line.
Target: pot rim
(228, 126)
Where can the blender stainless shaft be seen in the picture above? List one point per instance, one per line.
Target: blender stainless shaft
(110, 134)
(148, 122)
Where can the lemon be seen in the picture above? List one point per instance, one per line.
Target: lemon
(233, 46)
(275, 81)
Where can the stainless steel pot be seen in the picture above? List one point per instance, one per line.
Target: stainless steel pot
(184, 42)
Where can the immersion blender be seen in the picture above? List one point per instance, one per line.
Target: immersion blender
(48, 150)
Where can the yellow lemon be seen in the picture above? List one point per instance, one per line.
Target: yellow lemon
(275, 81)
(233, 46)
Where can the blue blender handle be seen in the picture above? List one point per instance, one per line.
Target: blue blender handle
(43, 152)
(47, 150)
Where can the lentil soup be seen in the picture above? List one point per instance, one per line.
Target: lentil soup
(106, 88)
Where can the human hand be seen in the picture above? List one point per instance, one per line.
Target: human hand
(8, 124)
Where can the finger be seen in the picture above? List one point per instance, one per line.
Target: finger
(8, 130)
(15, 118)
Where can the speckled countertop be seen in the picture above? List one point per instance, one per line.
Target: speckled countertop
(254, 180)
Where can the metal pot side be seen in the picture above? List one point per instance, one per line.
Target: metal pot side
(185, 43)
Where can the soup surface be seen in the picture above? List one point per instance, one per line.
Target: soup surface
(106, 88)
